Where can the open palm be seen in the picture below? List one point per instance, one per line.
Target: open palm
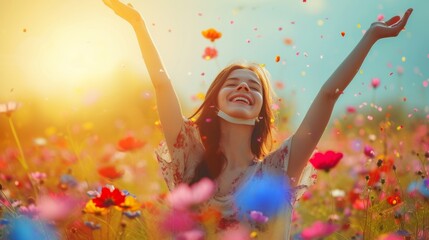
(390, 28)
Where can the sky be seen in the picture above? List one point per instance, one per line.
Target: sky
(52, 50)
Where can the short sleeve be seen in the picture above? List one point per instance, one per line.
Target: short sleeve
(178, 164)
(279, 160)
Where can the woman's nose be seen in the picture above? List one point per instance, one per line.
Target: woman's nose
(243, 86)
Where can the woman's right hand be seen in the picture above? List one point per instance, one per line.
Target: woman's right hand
(126, 12)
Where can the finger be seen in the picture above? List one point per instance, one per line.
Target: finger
(401, 24)
(393, 20)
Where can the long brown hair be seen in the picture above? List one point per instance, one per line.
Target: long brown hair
(213, 160)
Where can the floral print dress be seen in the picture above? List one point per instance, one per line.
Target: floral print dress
(178, 165)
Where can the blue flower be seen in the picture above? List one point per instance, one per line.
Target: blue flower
(24, 228)
(266, 194)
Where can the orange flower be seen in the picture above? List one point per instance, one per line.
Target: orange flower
(211, 34)
(110, 172)
(129, 143)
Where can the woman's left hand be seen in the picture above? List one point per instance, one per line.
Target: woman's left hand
(390, 28)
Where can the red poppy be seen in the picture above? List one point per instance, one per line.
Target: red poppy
(393, 200)
(129, 143)
(326, 161)
(209, 53)
(110, 172)
(109, 198)
(211, 34)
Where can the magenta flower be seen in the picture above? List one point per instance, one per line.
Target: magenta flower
(369, 151)
(258, 217)
(178, 221)
(194, 234)
(183, 196)
(318, 230)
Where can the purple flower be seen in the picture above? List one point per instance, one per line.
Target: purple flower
(258, 217)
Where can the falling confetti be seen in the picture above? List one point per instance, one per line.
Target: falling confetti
(211, 34)
(403, 59)
(209, 53)
(358, 25)
(343, 34)
(288, 41)
(277, 58)
(380, 17)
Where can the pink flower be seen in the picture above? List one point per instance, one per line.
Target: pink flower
(178, 221)
(326, 161)
(318, 230)
(38, 177)
(258, 217)
(375, 82)
(56, 207)
(183, 196)
(194, 234)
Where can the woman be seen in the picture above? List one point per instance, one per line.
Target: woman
(227, 142)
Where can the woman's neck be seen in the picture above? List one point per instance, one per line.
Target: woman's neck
(235, 143)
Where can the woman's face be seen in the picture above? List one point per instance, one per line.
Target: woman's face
(241, 95)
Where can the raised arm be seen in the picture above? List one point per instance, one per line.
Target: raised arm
(168, 105)
(312, 127)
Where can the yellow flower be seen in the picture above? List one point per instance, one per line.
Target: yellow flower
(91, 208)
(130, 204)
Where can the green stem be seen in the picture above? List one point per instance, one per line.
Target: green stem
(21, 152)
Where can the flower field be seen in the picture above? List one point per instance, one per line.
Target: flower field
(92, 180)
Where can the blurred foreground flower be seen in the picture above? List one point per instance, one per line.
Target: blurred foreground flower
(419, 188)
(326, 161)
(24, 228)
(211, 34)
(129, 143)
(9, 107)
(184, 197)
(110, 172)
(256, 196)
(318, 230)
